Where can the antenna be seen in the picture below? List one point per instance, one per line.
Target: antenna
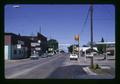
(32, 35)
(40, 29)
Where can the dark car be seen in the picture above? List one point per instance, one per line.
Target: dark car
(34, 56)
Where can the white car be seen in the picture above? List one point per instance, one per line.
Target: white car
(73, 56)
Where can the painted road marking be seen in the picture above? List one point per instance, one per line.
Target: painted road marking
(88, 71)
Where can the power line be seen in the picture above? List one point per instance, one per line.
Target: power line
(85, 22)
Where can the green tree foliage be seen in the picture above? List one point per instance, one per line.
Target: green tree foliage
(52, 43)
(70, 48)
(101, 47)
(102, 40)
(85, 46)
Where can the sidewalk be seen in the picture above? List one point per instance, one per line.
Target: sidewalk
(107, 70)
(14, 61)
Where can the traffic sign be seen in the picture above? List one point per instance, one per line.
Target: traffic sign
(77, 37)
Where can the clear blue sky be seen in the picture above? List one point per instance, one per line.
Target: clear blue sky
(61, 22)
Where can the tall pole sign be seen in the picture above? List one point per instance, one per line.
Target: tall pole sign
(77, 38)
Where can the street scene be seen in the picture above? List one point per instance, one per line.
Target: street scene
(59, 41)
(58, 66)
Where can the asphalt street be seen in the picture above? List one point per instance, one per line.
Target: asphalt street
(58, 66)
(28, 68)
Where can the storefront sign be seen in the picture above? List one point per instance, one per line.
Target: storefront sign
(19, 46)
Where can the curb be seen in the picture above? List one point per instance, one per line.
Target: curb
(88, 71)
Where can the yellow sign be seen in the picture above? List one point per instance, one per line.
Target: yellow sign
(77, 37)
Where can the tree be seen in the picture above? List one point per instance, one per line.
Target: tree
(52, 43)
(84, 46)
(102, 40)
(70, 48)
(101, 47)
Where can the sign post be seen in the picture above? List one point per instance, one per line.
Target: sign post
(77, 38)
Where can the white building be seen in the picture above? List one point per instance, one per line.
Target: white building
(86, 48)
(110, 47)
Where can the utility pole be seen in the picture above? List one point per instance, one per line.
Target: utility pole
(91, 27)
(79, 47)
(91, 15)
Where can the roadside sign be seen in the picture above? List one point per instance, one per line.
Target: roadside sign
(38, 48)
(18, 46)
(77, 37)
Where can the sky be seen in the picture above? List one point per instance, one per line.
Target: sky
(61, 22)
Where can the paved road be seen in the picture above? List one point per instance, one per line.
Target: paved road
(55, 67)
(27, 68)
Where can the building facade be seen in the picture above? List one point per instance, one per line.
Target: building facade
(18, 47)
(15, 47)
(38, 44)
(110, 47)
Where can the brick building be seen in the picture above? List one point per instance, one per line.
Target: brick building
(17, 46)
(38, 43)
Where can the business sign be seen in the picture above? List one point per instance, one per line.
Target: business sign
(37, 48)
(35, 44)
(20, 42)
(19, 46)
(77, 37)
(50, 49)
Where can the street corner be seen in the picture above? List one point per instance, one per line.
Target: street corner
(104, 72)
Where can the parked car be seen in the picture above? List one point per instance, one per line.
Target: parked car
(34, 57)
(73, 57)
(51, 54)
(44, 55)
